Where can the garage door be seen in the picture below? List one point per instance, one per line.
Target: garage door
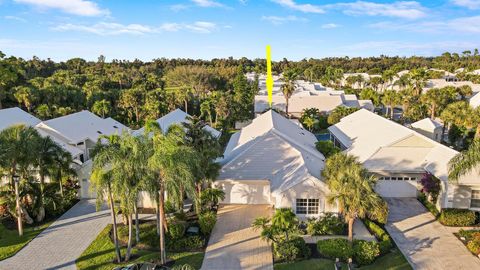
(245, 192)
(396, 188)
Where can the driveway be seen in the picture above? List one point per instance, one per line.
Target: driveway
(59, 245)
(424, 241)
(233, 244)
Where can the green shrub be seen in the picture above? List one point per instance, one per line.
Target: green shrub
(474, 246)
(292, 250)
(327, 225)
(188, 243)
(170, 207)
(430, 206)
(207, 222)
(457, 217)
(327, 148)
(176, 229)
(385, 242)
(335, 248)
(365, 252)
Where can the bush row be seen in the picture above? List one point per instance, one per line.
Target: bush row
(291, 250)
(329, 224)
(457, 217)
(385, 242)
(362, 252)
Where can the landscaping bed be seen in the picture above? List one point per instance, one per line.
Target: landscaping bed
(471, 239)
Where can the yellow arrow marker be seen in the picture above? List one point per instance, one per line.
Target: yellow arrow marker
(269, 76)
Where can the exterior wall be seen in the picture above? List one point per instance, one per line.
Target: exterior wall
(461, 197)
(83, 175)
(435, 134)
(245, 192)
(144, 200)
(304, 190)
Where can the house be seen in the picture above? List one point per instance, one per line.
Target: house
(432, 129)
(78, 133)
(400, 156)
(80, 130)
(16, 116)
(177, 117)
(324, 101)
(274, 161)
(475, 100)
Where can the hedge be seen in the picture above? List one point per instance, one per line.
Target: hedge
(291, 250)
(335, 248)
(385, 242)
(457, 217)
(362, 252)
(430, 206)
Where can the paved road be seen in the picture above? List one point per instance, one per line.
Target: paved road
(233, 244)
(58, 246)
(424, 241)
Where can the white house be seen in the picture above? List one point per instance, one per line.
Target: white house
(274, 161)
(177, 117)
(16, 116)
(432, 129)
(399, 156)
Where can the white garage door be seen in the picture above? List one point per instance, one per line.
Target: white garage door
(245, 192)
(396, 188)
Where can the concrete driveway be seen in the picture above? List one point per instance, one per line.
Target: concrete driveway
(424, 241)
(59, 245)
(233, 244)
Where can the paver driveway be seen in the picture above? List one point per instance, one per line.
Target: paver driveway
(233, 244)
(424, 241)
(59, 245)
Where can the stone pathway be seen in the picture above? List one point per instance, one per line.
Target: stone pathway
(59, 245)
(233, 244)
(424, 241)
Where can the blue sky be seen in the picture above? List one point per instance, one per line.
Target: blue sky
(296, 29)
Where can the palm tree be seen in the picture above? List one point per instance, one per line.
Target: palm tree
(173, 162)
(62, 168)
(101, 107)
(418, 80)
(309, 122)
(102, 180)
(464, 162)
(15, 154)
(208, 149)
(352, 188)
(390, 99)
(45, 151)
(288, 87)
(280, 227)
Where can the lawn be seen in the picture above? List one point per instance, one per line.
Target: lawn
(391, 261)
(11, 243)
(100, 255)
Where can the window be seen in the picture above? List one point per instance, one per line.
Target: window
(475, 199)
(307, 206)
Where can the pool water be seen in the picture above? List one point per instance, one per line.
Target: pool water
(323, 137)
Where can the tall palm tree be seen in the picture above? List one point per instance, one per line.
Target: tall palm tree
(418, 80)
(102, 107)
(15, 153)
(352, 188)
(62, 168)
(464, 162)
(208, 149)
(45, 151)
(173, 162)
(390, 99)
(288, 87)
(102, 180)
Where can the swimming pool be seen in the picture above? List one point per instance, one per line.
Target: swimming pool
(323, 136)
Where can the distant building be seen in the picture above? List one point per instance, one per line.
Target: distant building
(432, 129)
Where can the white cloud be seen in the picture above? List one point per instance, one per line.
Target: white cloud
(330, 26)
(307, 8)
(15, 18)
(76, 7)
(276, 20)
(178, 7)
(108, 29)
(470, 4)
(400, 9)
(207, 3)
(457, 25)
